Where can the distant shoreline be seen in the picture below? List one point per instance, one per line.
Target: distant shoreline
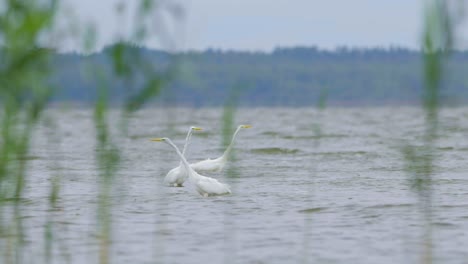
(295, 77)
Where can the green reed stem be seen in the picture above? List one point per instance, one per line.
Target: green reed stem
(24, 90)
(420, 163)
(320, 105)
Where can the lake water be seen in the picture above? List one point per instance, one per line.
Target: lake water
(299, 196)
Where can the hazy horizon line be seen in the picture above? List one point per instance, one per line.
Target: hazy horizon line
(335, 49)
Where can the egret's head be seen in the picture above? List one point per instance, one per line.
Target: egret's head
(245, 126)
(159, 139)
(194, 128)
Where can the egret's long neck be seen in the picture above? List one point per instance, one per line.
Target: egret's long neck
(182, 158)
(187, 140)
(229, 148)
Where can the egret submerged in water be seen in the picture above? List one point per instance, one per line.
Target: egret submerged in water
(205, 186)
(178, 175)
(217, 165)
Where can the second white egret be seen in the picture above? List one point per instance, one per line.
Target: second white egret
(217, 165)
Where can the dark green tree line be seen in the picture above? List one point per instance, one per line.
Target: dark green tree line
(284, 77)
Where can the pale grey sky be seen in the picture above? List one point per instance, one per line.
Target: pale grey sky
(257, 24)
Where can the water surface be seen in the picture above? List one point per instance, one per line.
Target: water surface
(308, 187)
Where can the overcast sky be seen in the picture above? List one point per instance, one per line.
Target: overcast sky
(257, 24)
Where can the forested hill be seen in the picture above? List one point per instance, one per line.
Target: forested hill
(284, 77)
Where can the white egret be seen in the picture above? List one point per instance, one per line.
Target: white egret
(205, 186)
(178, 175)
(217, 165)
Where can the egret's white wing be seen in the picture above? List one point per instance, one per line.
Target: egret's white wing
(208, 165)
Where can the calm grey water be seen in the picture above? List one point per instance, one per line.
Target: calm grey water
(341, 196)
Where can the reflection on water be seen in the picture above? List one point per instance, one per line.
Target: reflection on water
(362, 209)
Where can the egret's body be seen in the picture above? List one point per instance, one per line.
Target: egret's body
(178, 175)
(217, 165)
(205, 186)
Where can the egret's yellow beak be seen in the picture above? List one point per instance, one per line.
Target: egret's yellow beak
(246, 126)
(197, 128)
(157, 139)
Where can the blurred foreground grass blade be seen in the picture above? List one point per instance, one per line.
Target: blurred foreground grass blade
(317, 120)
(228, 127)
(52, 236)
(228, 118)
(154, 79)
(149, 91)
(437, 42)
(107, 156)
(24, 93)
(229, 110)
(142, 83)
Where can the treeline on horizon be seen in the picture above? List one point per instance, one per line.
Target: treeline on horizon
(298, 76)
